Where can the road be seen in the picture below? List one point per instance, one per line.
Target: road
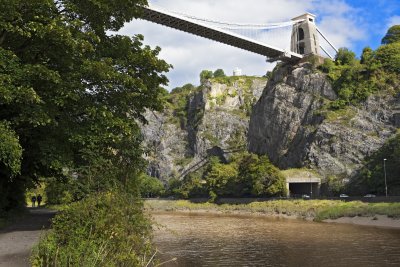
(17, 240)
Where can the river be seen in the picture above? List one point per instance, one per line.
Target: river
(236, 240)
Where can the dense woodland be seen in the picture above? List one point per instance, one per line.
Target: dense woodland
(70, 99)
(71, 94)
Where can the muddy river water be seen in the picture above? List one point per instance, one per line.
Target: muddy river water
(236, 240)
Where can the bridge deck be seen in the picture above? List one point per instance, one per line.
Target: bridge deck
(181, 23)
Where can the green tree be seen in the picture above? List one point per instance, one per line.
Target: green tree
(392, 35)
(220, 178)
(355, 80)
(389, 56)
(367, 55)
(371, 177)
(260, 177)
(219, 73)
(10, 151)
(150, 186)
(345, 57)
(11, 193)
(328, 66)
(70, 93)
(205, 75)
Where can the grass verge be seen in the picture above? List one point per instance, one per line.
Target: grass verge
(316, 209)
(104, 229)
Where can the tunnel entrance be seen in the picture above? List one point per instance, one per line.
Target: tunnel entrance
(299, 189)
(302, 182)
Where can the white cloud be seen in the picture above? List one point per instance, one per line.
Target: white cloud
(343, 33)
(190, 54)
(395, 20)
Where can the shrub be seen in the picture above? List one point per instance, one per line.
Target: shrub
(177, 101)
(389, 56)
(205, 75)
(260, 176)
(105, 229)
(345, 57)
(354, 81)
(150, 186)
(371, 177)
(221, 179)
(219, 73)
(64, 191)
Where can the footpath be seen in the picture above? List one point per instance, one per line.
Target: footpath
(17, 240)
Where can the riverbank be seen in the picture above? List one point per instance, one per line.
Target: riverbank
(332, 211)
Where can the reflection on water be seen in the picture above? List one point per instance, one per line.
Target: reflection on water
(223, 240)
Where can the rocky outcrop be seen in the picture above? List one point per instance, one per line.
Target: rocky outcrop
(289, 122)
(290, 125)
(216, 123)
(164, 143)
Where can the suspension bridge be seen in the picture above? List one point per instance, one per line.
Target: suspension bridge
(286, 41)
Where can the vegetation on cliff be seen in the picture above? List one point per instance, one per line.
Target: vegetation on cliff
(177, 103)
(178, 99)
(206, 75)
(377, 72)
(354, 80)
(384, 162)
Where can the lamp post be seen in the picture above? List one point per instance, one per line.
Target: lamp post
(384, 169)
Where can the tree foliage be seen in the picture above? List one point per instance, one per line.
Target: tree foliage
(219, 73)
(389, 56)
(261, 177)
(70, 93)
(371, 178)
(10, 151)
(221, 178)
(105, 229)
(205, 75)
(354, 80)
(150, 186)
(392, 35)
(177, 101)
(245, 175)
(345, 57)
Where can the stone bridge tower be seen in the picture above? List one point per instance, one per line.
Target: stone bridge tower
(304, 39)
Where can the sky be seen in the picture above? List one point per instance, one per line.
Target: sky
(354, 24)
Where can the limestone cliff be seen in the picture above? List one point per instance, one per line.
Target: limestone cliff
(290, 125)
(213, 121)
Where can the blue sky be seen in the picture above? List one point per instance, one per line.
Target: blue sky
(374, 16)
(347, 23)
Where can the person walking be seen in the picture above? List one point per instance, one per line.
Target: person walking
(39, 200)
(33, 199)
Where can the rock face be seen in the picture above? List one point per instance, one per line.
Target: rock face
(216, 123)
(289, 124)
(164, 144)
